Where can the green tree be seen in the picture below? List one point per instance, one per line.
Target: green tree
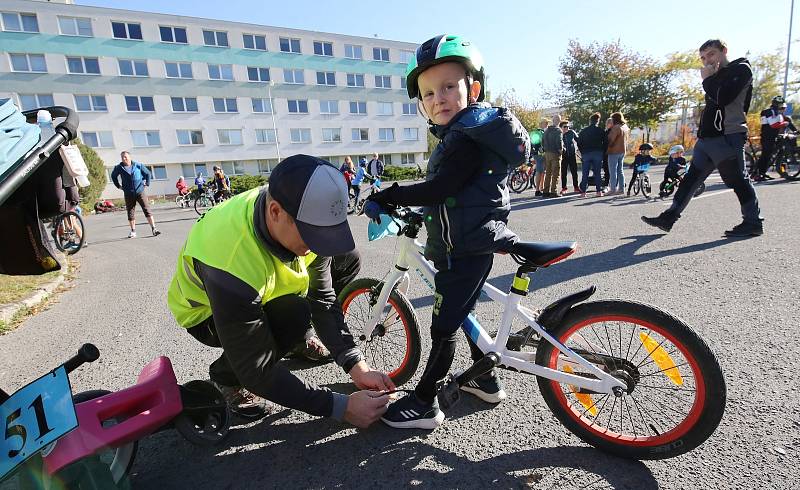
(527, 113)
(97, 175)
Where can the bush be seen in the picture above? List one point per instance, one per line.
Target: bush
(241, 183)
(394, 172)
(97, 175)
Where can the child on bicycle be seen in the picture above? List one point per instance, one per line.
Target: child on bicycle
(642, 158)
(676, 163)
(182, 187)
(466, 207)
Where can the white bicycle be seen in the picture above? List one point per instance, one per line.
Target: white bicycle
(625, 377)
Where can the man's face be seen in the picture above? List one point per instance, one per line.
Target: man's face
(713, 56)
(564, 129)
(126, 159)
(283, 229)
(443, 91)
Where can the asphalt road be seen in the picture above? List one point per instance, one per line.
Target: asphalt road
(740, 295)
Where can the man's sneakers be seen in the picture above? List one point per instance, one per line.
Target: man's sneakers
(412, 413)
(243, 403)
(745, 230)
(311, 349)
(155, 231)
(132, 234)
(659, 222)
(487, 387)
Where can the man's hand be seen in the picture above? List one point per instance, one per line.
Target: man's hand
(365, 407)
(708, 70)
(366, 378)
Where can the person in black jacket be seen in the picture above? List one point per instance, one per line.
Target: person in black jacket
(592, 142)
(728, 87)
(773, 122)
(568, 159)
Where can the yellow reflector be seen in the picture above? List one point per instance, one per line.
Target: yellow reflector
(661, 358)
(584, 398)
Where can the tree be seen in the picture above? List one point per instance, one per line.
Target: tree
(528, 114)
(97, 175)
(608, 78)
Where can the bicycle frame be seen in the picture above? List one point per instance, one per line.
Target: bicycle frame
(411, 257)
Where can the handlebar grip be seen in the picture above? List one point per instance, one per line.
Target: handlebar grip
(87, 353)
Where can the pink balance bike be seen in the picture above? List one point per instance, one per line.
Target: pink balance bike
(52, 439)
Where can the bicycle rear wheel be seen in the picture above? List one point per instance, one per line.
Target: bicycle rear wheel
(675, 395)
(393, 346)
(519, 181)
(68, 232)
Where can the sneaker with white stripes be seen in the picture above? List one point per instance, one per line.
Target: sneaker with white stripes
(411, 413)
(487, 387)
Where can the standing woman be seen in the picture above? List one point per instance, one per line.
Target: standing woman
(617, 142)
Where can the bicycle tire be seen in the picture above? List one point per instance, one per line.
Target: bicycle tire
(637, 186)
(701, 370)
(69, 246)
(124, 455)
(202, 203)
(400, 371)
(700, 189)
(792, 167)
(646, 185)
(206, 418)
(666, 189)
(519, 181)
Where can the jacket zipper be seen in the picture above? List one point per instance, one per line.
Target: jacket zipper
(446, 231)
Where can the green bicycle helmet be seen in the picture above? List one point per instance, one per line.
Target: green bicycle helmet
(441, 49)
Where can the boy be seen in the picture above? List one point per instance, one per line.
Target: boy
(676, 163)
(643, 158)
(466, 206)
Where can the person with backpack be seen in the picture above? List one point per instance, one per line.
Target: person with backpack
(132, 178)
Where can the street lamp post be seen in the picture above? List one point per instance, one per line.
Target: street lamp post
(788, 48)
(272, 112)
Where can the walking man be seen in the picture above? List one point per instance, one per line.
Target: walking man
(132, 177)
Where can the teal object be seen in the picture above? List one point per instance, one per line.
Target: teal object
(387, 227)
(17, 137)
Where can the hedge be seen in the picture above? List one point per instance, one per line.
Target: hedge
(241, 183)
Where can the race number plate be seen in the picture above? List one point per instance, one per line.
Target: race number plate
(33, 417)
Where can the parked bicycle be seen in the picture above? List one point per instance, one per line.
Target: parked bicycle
(357, 205)
(625, 377)
(523, 178)
(68, 232)
(668, 186)
(89, 441)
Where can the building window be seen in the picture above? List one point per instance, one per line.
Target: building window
(133, 68)
(322, 48)
(266, 166)
(403, 82)
(262, 105)
(127, 30)
(171, 34)
(193, 169)
(405, 56)
(332, 135)
(184, 104)
(144, 138)
(79, 65)
(355, 79)
(159, 172)
(293, 76)
(225, 104)
(178, 70)
(386, 134)
(233, 168)
(97, 139)
(380, 54)
(383, 81)
(326, 78)
(33, 63)
(300, 135)
(290, 45)
(215, 38)
(256, 74)
(385, 109)
(407, 159)
(254, 41)
(297, 106)
(359, 134)
(187, 137)
(329, 107)
(359, 108)
(16, 22)
(75, 26)
(353, 52)
(220, 72)
(91, 103)
(28, 102)
(134, 103)
(410, 134)
(264, 136)
(409, 109)
(229, 136)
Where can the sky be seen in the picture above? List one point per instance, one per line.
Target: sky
(521, 41)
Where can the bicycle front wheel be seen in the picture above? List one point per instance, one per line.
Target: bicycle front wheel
(519, 181)
(646, 185)
(69, 232)
(791, 166)
(637, 185)
(675, 395)
(202, 203)
(393, 345)
(665, 189)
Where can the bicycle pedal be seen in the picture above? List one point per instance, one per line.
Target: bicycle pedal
(448, 392)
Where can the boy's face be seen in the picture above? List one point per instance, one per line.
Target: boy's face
(645, 152)
(443, 91)
(677, 155)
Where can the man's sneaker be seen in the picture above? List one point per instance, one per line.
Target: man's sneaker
(563, 191)
(537, 193)
(243, 403)
(311, 349)
(576, 189)
(743, 230)
(155, 231)
(600, 194)
(411, 413)
(659, 222)
(487, 387)
(132, 234)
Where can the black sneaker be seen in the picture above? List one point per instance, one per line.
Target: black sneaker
(659, 222)
(537, 193)
(744, 230)
(243, 403)
(487, 387)
(411, 413)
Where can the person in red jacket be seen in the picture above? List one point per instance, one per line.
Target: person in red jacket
(183, 189)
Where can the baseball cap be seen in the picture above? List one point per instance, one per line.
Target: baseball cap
(314, 193)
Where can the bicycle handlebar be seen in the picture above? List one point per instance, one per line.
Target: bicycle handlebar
(87, 353)
(68, 126)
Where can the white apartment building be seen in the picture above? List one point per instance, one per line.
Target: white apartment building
(183, 94)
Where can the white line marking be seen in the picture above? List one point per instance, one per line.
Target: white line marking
(701, 196)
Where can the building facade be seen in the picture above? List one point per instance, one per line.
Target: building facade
(183, 94)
